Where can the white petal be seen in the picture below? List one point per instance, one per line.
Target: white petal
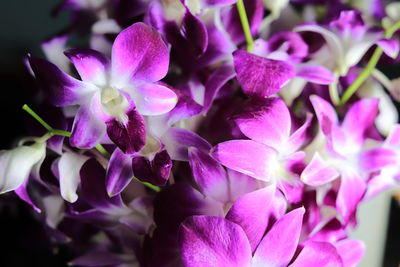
(16, 165)
(69, 167)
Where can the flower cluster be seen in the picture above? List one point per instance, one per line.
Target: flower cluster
(212, 132)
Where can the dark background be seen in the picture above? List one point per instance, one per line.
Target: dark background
(24, 24)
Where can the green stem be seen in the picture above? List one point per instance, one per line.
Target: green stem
(363, 76)
(103, 151)
(149, 185)
(333, 91)
(53, 131)
(245, 25)
(37, 117)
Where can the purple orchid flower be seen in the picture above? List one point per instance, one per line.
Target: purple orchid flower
(113, 95)
(342, 153)
(348, 38)
(267, 123)
(214, 241)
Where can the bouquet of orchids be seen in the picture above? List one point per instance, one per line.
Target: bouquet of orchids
(211, 132)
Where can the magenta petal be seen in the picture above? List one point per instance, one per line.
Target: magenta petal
(316, 74)
(251, 213)
(130, 137)
(213, 242)
(91, 65)
(156, 171)
(377, 158)
(87, 129)
(209, 175)
(260, 76)
(351, 251)
(298, 138)
(280, 243)
(321, 254)
(119, 172)
(154, 99)
(318, 172)
(325, 113)
(359, 118)
(389, 46)
(219, 2)
(393, 138)
(139, 54)
(266, 121)
(351, 191)
(62, 89)
(239, 155)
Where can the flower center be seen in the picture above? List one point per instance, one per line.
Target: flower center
(114, 103)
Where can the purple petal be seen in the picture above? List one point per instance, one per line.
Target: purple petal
(389, 46)
(351, 251)
(240, 184)
(260, 76)
(130, 137)
(62, 89)
(231, 19)
(195, 33)
(154, 99)
(251, 213)
(215, 82)
(87, 129)
(318, 172)
(316, 74)
(293, 43)
(139, 54)
(325, 113)
(393, 138)
(69, 166)
(119, 172)
(177, 141)
(377, 158)
(218, 3)
(98, 258)
(93, 187)
(156, 171)
(91, 65)
(351, 191)
(239, 155)
(266, 121)
(298, 138)
(321, 254)
(209, 175)
(214, 242)
(23, 193)
(280, 243)
(359, 118)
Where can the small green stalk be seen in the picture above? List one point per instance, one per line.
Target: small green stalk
(369, 68)
(99, 147)
(52, 131)
(245, 25)
(149, 185)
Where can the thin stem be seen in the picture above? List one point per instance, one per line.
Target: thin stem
(37, 117)
(363, 76)
(53, 131)
(103, 151)
(149, 185)
(245, 25)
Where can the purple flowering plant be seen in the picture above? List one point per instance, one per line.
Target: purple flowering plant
(212, 132)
